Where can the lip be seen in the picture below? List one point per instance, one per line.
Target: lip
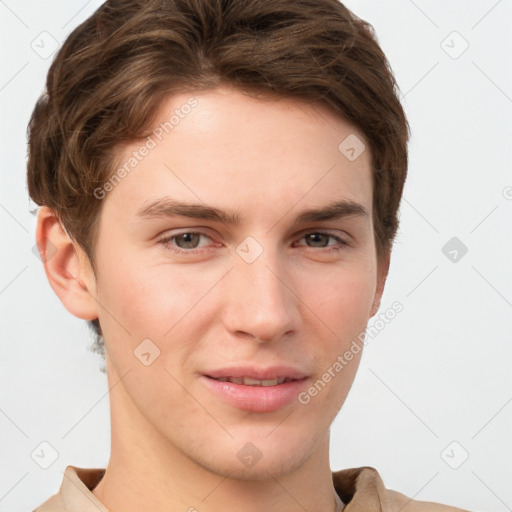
(254, 372)
(256, 398)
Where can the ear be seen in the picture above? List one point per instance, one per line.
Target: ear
(66, 265)
(382, 274)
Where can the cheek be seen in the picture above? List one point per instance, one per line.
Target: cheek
(341, 313)
(131, 301)
(159, 302)
(343, 301)
(145, 309)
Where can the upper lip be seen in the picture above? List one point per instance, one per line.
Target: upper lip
(254, 372)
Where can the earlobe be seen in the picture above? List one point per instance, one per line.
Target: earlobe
(66, 266)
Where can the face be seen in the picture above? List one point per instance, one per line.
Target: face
(181, 295)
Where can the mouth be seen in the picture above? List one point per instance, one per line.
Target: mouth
(250, 394)
(248, 381)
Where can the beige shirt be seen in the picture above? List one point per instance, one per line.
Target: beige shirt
(361, 489)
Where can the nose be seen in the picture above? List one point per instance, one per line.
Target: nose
(260, 302)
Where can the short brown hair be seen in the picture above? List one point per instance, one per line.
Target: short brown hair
(111, 74)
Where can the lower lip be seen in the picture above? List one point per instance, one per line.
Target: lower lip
(256, 398)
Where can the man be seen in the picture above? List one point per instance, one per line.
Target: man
(219, 184)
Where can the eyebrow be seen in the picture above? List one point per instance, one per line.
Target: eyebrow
(167, 207)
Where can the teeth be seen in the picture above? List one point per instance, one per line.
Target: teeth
(254, 382)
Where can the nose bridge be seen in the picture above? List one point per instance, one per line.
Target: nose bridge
(260, 304)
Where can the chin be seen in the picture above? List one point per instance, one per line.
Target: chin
(260, 457)
(265, 468)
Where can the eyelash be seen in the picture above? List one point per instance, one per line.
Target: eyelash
(166, 242)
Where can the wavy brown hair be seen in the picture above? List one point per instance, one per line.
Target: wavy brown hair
(108, 79)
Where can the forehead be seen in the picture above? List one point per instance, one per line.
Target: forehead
(223, 147)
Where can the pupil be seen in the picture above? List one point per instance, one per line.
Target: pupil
(316, 235)
(187, 240)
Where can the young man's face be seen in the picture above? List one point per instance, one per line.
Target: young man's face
(263, 292)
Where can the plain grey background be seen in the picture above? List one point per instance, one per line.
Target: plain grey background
(431, 405)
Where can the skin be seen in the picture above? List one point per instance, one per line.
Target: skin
(175, 443)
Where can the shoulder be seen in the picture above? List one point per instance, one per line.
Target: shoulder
(52, 504)
(362, 489)
(398, 501)
(75, 492)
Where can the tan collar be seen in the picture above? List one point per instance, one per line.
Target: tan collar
(360, 489)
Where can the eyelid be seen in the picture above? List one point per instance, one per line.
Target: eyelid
(167, 239)
(337, 237)
(203, 230)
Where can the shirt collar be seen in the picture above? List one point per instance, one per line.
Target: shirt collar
(361, 489)
(76, 488)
